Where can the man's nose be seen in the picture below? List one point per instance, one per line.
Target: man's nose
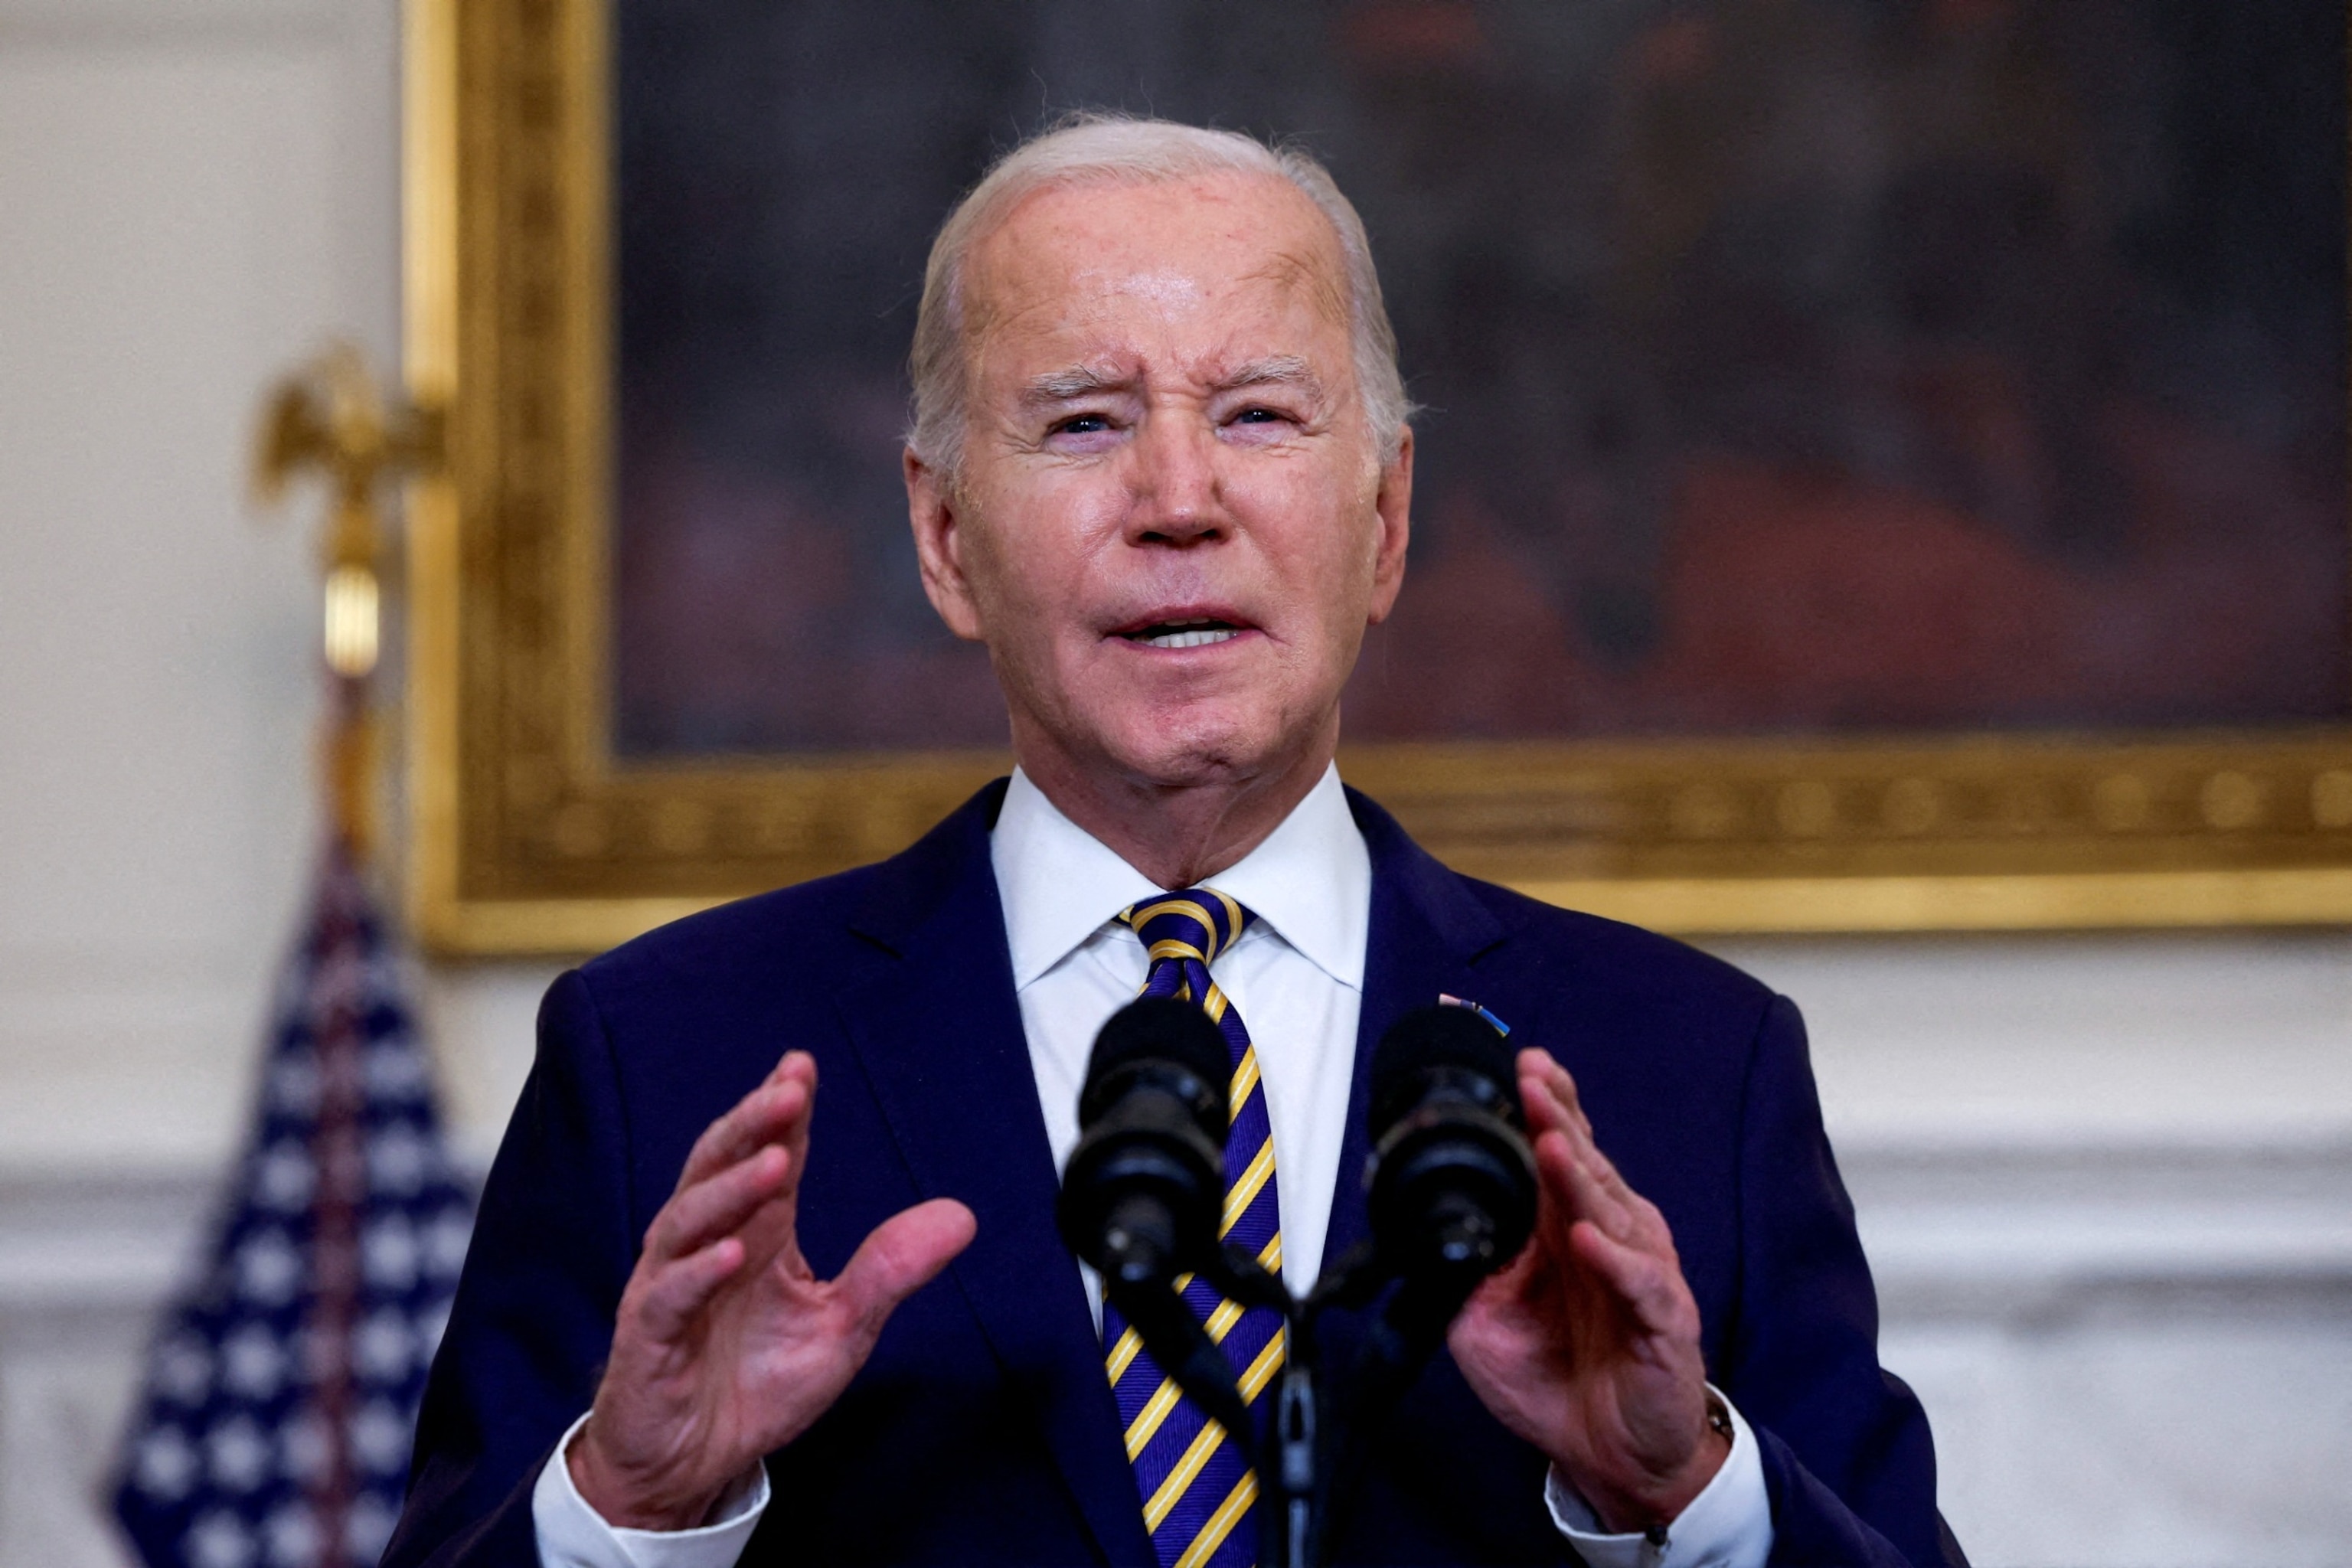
(1174, 486)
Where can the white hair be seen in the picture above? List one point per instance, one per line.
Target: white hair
(1097, 149)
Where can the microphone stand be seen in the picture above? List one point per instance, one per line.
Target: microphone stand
(1312, 1428)
(1450, 1171)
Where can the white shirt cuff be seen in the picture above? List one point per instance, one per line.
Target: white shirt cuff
(571, 1534)
(1727, 1525)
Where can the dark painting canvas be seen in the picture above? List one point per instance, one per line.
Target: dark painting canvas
(1787, 366)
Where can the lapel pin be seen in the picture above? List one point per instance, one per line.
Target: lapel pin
(1500, 1027)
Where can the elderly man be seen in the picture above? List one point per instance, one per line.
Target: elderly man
(1160, 468)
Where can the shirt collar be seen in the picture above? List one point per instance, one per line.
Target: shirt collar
(1311, 881)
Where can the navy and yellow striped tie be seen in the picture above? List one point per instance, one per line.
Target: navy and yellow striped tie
(1198, 1491)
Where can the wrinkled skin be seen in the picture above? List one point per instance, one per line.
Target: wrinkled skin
(1164, 425)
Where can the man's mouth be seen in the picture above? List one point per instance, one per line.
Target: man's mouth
(1197, 632)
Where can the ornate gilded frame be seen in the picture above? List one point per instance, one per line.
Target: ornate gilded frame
(529, 837)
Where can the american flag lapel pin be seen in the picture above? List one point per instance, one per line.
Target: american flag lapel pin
(1500, 1027)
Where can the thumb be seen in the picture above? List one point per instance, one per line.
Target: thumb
(904, 1254)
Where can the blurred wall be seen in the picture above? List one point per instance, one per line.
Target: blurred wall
(2107, 1182)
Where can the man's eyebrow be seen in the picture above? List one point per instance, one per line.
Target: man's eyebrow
(1273, 370)
(1080, 380)
(1076, 381)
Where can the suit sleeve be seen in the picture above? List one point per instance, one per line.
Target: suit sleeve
(1849, 1465)
(532, 1323)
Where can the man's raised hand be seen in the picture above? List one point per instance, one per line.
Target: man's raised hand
(1587, 1346)
(726, 1346)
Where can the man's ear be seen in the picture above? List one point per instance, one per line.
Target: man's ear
(935, 514)
(1394, 504)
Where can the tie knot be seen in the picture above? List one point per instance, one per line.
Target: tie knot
(1197, 923)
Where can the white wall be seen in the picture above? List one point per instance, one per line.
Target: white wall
(193, 194)
(2107, 1188)
(2107, 1182)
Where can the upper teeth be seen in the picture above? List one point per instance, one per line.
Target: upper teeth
(1192, 634)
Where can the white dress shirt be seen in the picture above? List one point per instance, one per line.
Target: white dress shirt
(1297, 977)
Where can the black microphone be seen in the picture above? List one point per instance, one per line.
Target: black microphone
(1453, 1181)
(1452, 1199)
(1145, 1188)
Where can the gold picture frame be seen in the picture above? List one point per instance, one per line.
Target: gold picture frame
(530, 838)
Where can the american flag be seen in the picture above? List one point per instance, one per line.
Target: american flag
(280, 1398)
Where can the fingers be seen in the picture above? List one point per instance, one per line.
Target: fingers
(1643, 1281)
(1572, 1196)
(776, 1112)
(676, 1293)
(1550, 1094)
(749, 1158)
(1552, 1103)
(1612, 1240)
(904, 1253)
(718, 1205)
(1579, 1182)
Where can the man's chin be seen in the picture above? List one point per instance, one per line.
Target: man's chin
(1203, 751)
(1187, 744)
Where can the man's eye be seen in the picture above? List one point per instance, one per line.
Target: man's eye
(1080, 425)
(1256, 416)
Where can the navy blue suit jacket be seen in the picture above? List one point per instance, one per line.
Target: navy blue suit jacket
(982, 1430)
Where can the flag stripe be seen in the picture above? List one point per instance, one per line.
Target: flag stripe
(277, 1411)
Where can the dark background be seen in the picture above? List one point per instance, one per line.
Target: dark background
(1788, 365)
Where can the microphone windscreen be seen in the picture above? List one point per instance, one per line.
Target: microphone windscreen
(1158, 1029)
(1429, 1038)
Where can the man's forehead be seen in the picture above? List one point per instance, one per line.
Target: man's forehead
(1221, 368)
(1169, 244)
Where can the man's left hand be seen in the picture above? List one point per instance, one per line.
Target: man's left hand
(1587, 1344)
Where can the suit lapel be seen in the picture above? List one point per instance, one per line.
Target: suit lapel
(1426, 932)
(939, 1031)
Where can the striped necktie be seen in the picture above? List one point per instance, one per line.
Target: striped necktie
(1198, 1491)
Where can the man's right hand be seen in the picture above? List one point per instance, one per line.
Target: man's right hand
(726, 1346)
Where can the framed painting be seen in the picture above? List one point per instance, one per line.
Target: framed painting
(1881, 465)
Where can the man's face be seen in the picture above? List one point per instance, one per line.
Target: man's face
(1172, 522)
